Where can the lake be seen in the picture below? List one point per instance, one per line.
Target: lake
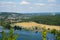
(30, 35)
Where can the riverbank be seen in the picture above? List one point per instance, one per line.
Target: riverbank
(34, 24)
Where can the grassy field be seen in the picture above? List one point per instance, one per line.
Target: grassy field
(34, 24)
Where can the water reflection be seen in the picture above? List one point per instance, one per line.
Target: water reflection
(29, 35)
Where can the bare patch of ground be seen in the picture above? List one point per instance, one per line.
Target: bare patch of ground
(33, 24)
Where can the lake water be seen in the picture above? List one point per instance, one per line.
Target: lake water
(29, 35)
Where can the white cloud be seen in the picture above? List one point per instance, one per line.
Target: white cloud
(7, 3)
(52, 4)
(51, 0)
(24, 3)
(9, 7)
(31, 7)
(40, 4)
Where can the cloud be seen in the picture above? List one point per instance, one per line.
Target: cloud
(30, 7)
(52, 4)
(51, 0)
(40, 4)
(7, 3)
(24, 3)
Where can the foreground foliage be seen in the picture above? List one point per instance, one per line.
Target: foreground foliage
(44, 34)
(10, 35)
(56, 34)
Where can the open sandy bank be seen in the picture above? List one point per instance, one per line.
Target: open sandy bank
(33, 24)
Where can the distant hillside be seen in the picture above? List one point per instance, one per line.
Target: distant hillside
(43, 18)
(10, 13)
(28, 14)
(50, 20)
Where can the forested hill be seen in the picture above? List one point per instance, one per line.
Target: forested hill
(50, 20)
(29, 14)
(43, 18)
(9, 14)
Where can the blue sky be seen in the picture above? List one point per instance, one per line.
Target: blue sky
(29, 6)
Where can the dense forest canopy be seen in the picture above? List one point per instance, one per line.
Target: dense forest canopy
(43, 18)
(50, 20)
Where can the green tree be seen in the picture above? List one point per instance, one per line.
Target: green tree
(10, 36)
(3, 35)
(54, 31)
(58, 35)
(44, 33)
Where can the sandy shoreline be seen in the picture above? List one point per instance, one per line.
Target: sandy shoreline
(33, 24)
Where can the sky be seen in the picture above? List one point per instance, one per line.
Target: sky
(29, 6)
